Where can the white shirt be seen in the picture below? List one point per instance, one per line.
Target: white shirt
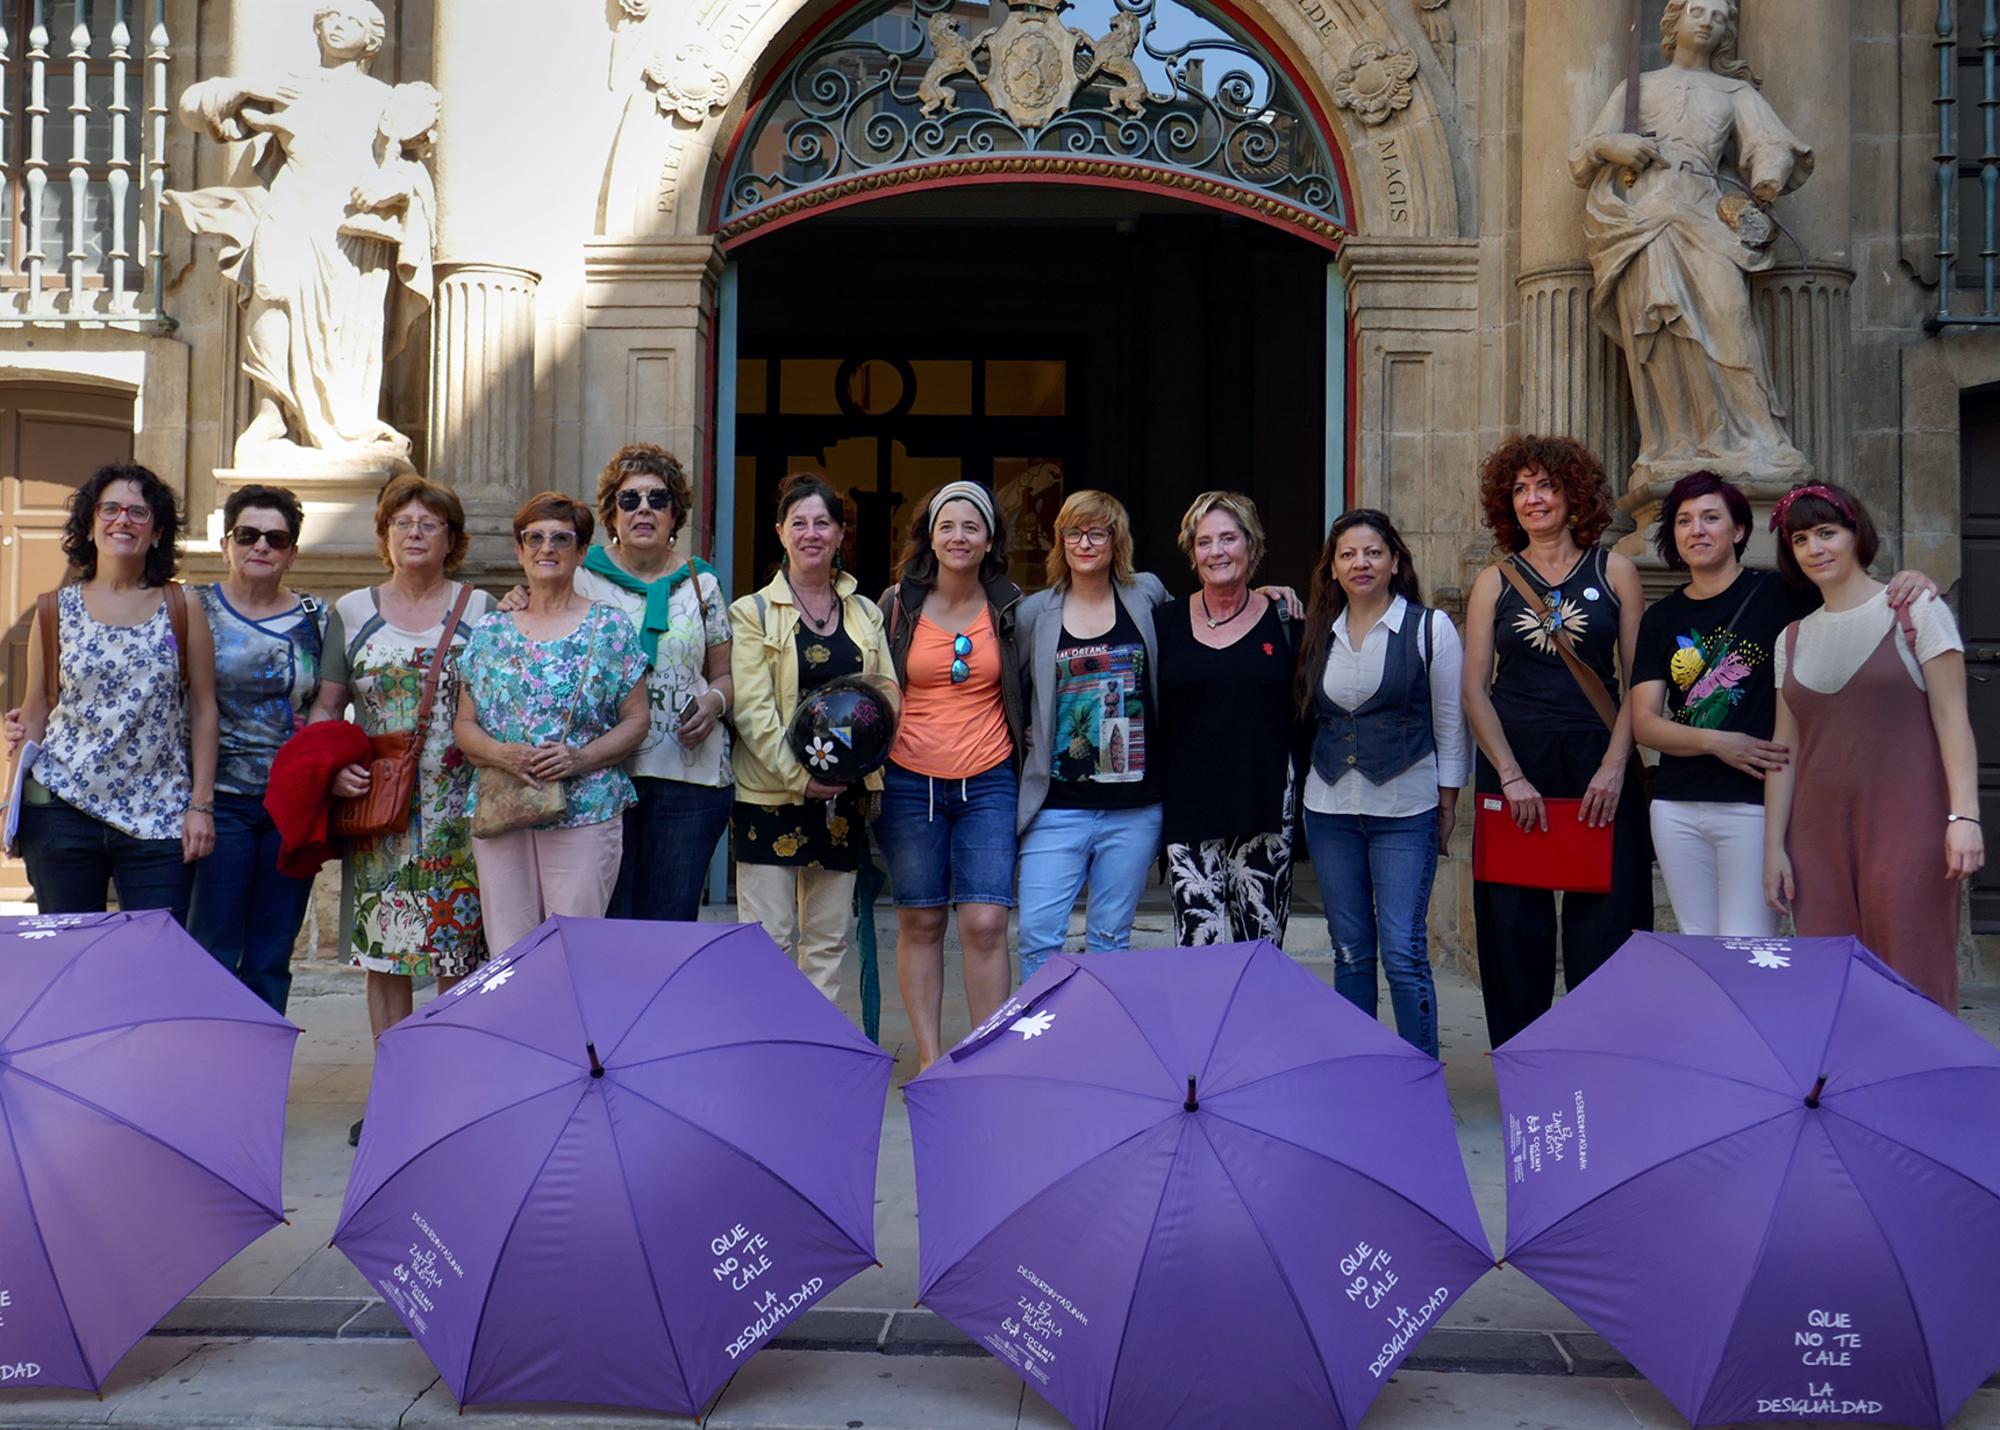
(1352, 676)
(698, 618)
(1835, 644)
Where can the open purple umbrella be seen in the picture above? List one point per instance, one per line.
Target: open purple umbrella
(142, 1094)
(1191, 1187)
(609, 1165)
(1768, 1171)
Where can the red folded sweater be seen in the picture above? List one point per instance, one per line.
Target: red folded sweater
(300, 795)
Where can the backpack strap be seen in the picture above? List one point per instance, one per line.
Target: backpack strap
(49, 617)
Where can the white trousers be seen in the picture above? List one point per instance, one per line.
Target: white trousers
(805, 911)
(1712, 858)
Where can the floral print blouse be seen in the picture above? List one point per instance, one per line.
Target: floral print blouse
(116, 746)
(566, 690)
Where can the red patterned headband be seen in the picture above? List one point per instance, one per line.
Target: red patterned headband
(1811, 489)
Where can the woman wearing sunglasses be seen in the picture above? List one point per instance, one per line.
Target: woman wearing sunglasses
(123, 789)
(949, 795)
(268, 643)
(681, 771)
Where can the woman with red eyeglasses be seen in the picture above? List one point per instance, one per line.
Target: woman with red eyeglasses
(121, 700)
(268, 645)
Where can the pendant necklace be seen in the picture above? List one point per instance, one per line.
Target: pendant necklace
(1213, 623)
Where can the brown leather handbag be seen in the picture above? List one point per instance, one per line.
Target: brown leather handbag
(392, 768)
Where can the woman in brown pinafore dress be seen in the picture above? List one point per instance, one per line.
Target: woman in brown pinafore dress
(1883, 769)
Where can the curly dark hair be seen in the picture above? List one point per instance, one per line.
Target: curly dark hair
(918, 565)
(644, 459)
(79, 539)
(283, 500)
(1585, 487)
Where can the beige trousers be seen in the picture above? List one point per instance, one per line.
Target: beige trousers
(528, 874)
(805, 911)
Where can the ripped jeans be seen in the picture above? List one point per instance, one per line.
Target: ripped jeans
(1375, 878)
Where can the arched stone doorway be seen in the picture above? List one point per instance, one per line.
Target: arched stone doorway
(1399, 280)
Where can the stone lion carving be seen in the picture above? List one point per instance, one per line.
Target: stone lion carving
(332, 253)
(1112, 56)
(952, 54)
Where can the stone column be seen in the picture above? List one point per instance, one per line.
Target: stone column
(481, 424)
(1800, 50)
(1572, 375)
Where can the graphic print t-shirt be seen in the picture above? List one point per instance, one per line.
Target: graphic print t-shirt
(1103, 704)
(1716, 665)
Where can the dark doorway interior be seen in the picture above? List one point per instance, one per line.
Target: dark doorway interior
(1041, 341)
(1979, 613)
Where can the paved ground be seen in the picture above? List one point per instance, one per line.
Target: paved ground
(288, 1334)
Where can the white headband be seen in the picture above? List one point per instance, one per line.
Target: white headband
(962, 491)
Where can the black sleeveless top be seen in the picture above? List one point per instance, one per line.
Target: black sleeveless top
(1532, 686)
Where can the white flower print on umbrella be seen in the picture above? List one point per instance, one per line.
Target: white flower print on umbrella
(819, 752)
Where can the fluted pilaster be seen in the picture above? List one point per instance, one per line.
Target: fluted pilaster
(483, 388)
(1572, 374)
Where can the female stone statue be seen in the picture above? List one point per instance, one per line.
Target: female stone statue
(1670, 266)
(324, 253)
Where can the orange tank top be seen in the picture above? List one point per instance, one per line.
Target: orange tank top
(948, 731)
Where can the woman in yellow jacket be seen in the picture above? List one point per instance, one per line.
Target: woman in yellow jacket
(797, 840)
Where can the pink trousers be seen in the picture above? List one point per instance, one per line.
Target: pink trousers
(528, 874)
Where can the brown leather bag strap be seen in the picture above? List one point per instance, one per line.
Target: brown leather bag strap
(440, 658)
(49, 616)
(177, 621)
(1586, 678)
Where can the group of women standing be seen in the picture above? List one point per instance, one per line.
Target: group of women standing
(584, 742)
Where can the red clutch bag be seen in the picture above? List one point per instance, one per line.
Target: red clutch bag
(1569, 855)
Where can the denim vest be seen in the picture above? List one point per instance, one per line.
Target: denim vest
(1392, 729)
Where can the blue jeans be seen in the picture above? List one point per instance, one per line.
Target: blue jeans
(1065, 850)
(73, 860)
(244, 911)
(670, 836)
(1375, 878)
(949, 841)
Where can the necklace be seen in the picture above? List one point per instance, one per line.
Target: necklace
(1210, 617)
(817, 623)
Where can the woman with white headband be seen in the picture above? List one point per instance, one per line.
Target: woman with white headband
(950, 791)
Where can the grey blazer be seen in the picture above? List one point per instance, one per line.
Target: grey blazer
(1040, 625)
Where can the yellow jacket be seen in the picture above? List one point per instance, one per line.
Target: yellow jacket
(765, 663)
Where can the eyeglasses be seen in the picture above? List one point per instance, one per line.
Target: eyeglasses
(416, 526)
(138, 515)
(1079, 536)
(554, 540)
(278, 538)
(656, 498)
(961, 652)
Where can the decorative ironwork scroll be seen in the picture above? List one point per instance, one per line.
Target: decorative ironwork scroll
(1144, 91)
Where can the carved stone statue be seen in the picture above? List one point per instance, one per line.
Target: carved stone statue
(1670, 247)
(333, 254)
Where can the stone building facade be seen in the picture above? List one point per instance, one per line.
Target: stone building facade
(613, 264)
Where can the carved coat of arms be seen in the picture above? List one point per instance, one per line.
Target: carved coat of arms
(1032, 71)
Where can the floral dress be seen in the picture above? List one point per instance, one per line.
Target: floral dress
(566, 690)
(410, 901)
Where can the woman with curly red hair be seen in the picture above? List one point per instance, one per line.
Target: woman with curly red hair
(1546, 500)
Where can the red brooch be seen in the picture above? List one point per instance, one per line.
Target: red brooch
(1268, 649)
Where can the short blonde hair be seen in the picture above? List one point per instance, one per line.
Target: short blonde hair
(1084, 509)
(1239, 509)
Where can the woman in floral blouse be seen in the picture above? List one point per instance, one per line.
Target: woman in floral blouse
(555, 692)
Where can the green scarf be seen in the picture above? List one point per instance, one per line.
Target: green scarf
(658, 593)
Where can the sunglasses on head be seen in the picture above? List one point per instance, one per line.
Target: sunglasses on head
(277, 538)
(961, 651)
(657, 498)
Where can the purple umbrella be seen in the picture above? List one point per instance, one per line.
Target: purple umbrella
(608, 1166)
(142, 1092)
(1191, 1187)
(1768, 1171)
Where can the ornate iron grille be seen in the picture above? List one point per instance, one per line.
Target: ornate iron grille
(1154, 92)
(1967, 183)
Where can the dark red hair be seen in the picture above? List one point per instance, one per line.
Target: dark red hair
(1701, 484)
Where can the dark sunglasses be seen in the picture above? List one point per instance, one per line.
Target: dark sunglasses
(279, 538)
(658, 498)
(961, 651)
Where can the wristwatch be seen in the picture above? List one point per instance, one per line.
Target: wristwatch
(1961, 819)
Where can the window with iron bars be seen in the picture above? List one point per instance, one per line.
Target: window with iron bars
(1968, 162)
(82, 157)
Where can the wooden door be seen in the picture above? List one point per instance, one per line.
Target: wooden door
(51, 439)
(1979, 612)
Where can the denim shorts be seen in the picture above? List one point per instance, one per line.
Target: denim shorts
(948, 841)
